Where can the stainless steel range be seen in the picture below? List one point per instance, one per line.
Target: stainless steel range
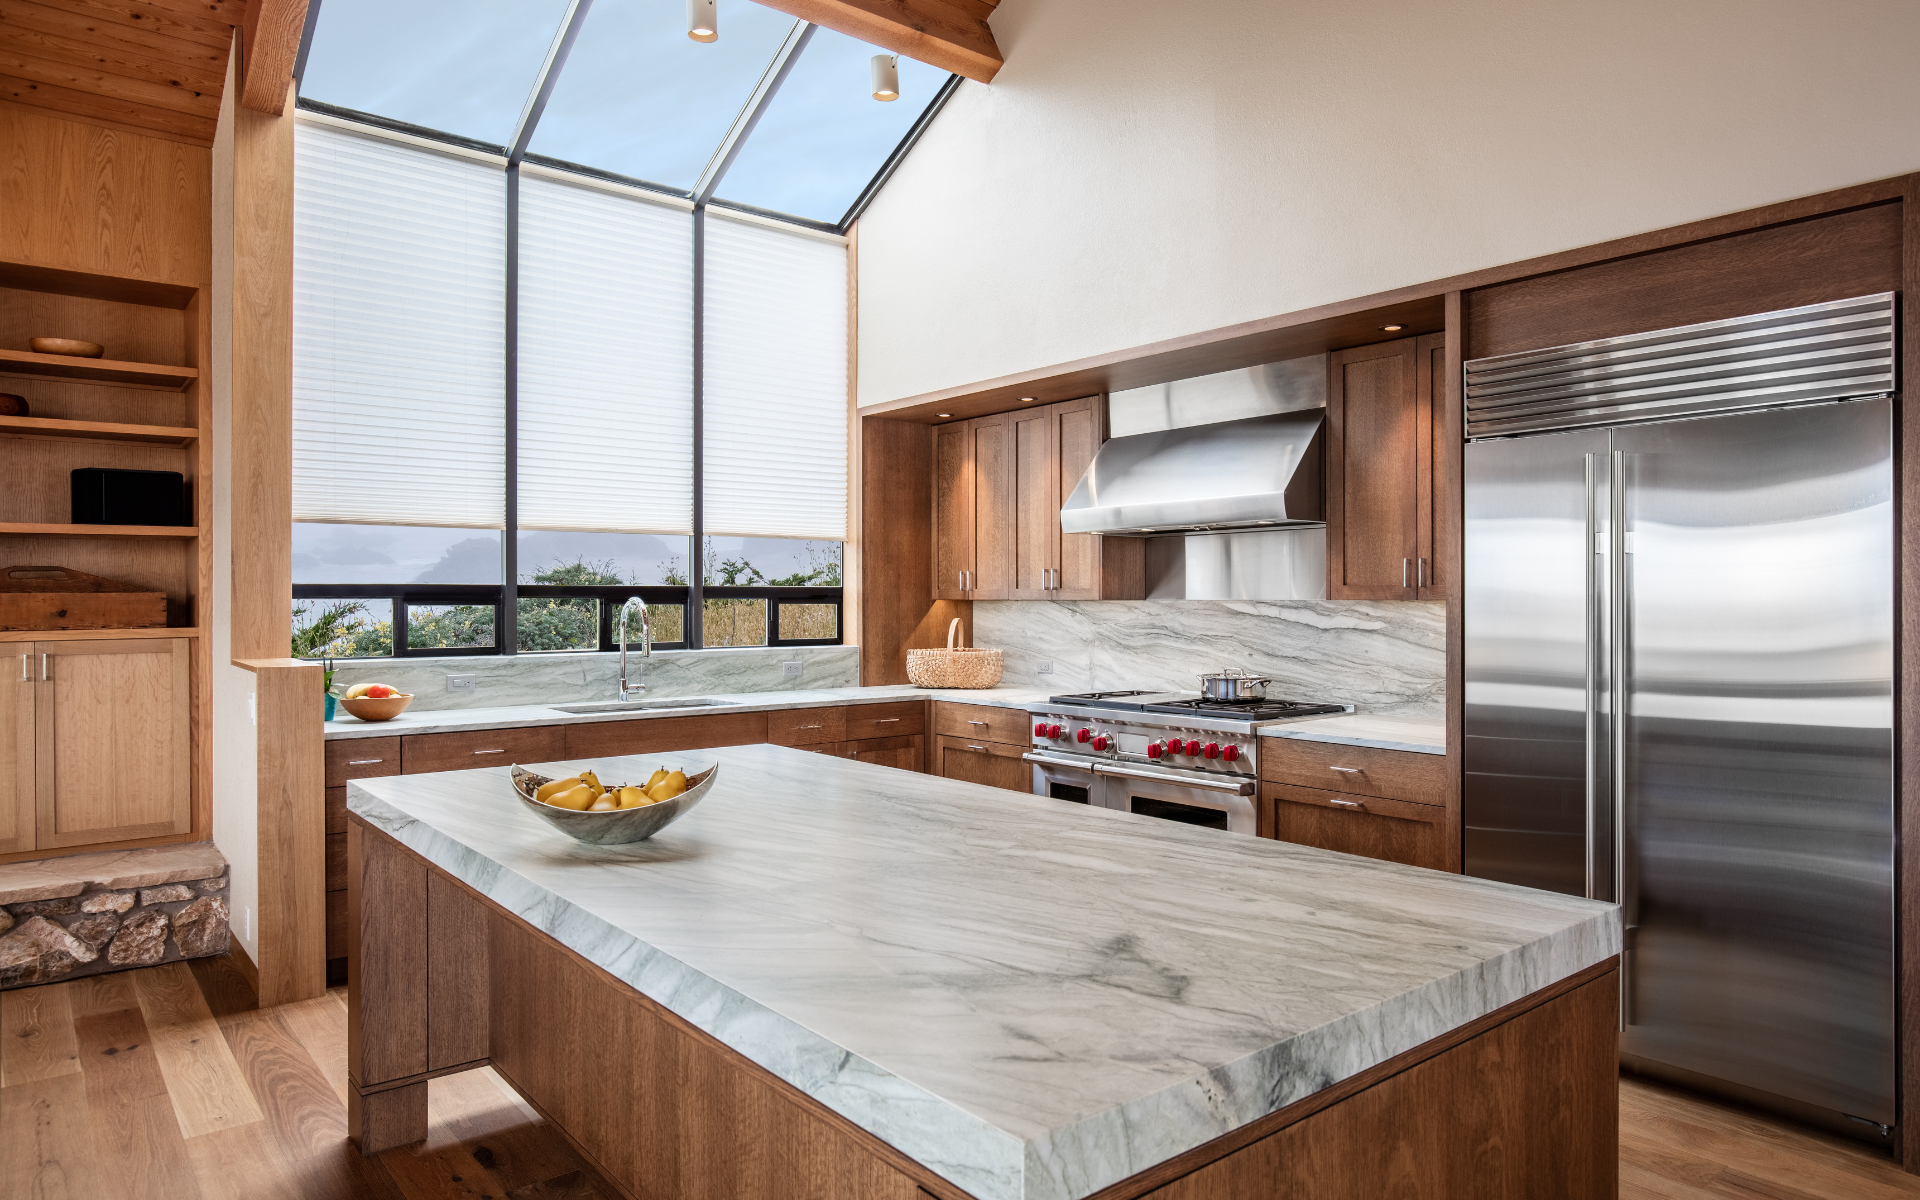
(1173, 755)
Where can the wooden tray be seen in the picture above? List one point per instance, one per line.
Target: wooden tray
(62, 598)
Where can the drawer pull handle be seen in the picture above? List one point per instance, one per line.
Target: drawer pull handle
(886, 720)
(810, 726)
(976, 722)
(981, 749)
(1349, 770)
(489, 751)
(1348, 803)
(364, 762)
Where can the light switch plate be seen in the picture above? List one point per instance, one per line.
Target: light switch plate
(461, 683)
(790, 670)
(1045, 667)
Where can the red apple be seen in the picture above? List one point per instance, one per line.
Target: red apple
(379, 691)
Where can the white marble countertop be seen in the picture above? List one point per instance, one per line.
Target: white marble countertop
(1033, 998)
(1419, 735)
(451, 720)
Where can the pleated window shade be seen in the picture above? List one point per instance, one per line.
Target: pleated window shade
(776, 383)
(606, 361)
(399, 277)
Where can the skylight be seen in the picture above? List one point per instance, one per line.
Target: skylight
(634, 98)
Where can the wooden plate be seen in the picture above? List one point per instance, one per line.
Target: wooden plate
(67, 346)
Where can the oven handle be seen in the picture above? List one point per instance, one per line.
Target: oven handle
(1238, 787)
(1048, 760)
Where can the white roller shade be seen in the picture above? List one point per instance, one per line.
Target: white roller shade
(776, 383)
(399, 281)
(606, 361)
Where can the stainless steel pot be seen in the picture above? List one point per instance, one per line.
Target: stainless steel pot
(1232, 684)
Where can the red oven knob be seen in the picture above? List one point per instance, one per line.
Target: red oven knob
(1175, 745)
(1213, 750)
(1193, 749)
(1231, 753)
(1058, 731)
(1153, 749)
(1100, 743)
(1085, 735)
(1040, 730)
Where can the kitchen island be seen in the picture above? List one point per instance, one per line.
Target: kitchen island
(836, 980)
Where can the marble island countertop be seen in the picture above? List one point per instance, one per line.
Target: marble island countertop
(1033, 998)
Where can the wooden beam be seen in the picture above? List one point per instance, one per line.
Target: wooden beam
(272, 32)
(949, 34)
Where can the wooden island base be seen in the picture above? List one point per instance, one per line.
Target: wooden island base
(1521, 1103)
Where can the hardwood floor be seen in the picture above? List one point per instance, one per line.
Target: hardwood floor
(166, 1083)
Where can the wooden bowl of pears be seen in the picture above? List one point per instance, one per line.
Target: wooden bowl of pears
(586, 810)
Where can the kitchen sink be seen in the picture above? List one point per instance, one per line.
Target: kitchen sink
(639, 705)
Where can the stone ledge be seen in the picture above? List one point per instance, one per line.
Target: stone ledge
(56, 878)
(63, 918)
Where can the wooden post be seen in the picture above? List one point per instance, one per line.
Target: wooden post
(386, 992)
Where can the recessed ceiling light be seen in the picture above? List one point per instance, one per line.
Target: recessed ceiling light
(1028, 399)
(1391, 328)
(703, 20)
(943, 414)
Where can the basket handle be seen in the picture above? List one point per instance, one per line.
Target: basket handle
(953, 631)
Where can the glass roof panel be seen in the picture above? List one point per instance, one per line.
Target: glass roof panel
(640, 98)
(824, 136)
(464, 67)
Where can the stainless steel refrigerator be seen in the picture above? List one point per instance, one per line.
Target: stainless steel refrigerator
(1678, 615)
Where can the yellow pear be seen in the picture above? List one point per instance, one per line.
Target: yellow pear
(546, 790)
(633, 797)
(592, 781)
(669, 787)
(655, 778)
(605, 802)
(577, 798)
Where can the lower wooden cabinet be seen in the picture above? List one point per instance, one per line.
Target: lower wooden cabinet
(1394, 830)
(463, 751)
(996, 764)
(906, 753)
(659, 734)
(99, 744)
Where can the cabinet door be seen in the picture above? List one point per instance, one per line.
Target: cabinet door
(1365, 825)
(993, 508)
(1432, 386)
(18, 671)
(995, 764)
(1036, 505)
(904, 753)
(112, 748)
(952, 509)
(1374, 447)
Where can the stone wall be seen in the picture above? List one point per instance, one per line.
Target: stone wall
(66, 918)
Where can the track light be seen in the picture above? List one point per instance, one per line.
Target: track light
(886, 77)
(703, 20)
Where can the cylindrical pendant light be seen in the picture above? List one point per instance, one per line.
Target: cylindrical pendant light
(703, 20)
(886, 77)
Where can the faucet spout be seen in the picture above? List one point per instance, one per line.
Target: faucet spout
(646, 642)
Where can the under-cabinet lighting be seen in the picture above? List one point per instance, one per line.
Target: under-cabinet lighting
(886, 77)
(1391, 328)
(943, 414)
(1028, 399)
(703, 20)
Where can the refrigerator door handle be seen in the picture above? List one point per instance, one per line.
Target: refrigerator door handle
(1595, 608)
(1618, 542)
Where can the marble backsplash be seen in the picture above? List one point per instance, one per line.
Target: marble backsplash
(576, 678)
(1380, 656)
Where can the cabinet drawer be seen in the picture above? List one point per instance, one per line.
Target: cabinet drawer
(1369, 826)
(482, 748)
(336, 862)
(652, 735)
(994, 764)
(1361, 770)
(898, 719)
(337, 809)
(977, 721)
(807, 726)
(362, 758)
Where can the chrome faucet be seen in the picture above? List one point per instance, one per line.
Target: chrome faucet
(646, 643)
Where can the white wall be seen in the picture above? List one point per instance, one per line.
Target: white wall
(235, 817)
(1143, 169)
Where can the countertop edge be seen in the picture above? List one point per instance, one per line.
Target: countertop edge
(1343, 739)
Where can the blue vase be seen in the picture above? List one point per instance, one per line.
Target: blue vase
(331, 699)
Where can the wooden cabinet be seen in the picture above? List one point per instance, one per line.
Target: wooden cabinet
(1383, 468)
(807, 726)
(101, 741)
(1361, 770)
(999, 483)
(995, 764)
(658, 734)
(896, 719)
(481, 748)
(1393, 830)
(972, 509)
(904, 753)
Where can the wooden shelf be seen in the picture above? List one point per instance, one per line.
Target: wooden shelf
(109, 371)
(153, 531)
(96, 635)
(125, 289)
(98, 431)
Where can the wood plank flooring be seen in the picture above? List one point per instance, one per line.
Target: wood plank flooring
(166, 1083)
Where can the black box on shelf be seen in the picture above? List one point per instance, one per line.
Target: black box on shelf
(104, 496)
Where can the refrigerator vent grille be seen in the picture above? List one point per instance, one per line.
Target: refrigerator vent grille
(1836, 351)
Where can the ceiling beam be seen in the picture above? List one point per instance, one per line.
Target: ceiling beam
(949, 34)
(272, 32)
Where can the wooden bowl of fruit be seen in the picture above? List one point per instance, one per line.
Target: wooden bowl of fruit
(587, 811)
(375, 701)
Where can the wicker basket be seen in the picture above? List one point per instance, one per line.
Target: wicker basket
(956, 666)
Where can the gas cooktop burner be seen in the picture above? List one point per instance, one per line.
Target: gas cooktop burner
(1245, 710)
(1096, 697)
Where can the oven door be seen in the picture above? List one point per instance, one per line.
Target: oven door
(1063, 778)
(1213, 803)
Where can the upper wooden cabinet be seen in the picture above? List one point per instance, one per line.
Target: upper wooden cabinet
(1011, 473)
(1383, 462)
(112, 754)
(972, 507)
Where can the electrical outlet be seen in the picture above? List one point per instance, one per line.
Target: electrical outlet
(246, 923)
(790, 670)
(460, 683)
(1045, 667)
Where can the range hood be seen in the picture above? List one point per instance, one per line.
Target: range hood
(1258, 472)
